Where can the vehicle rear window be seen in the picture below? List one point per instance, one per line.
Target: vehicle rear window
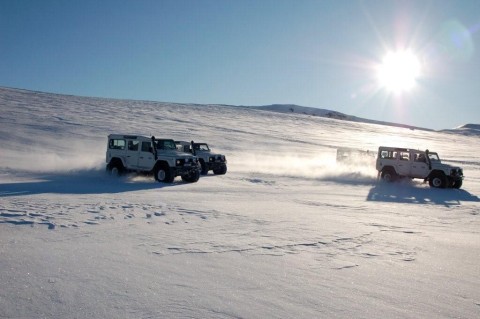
(116, 144)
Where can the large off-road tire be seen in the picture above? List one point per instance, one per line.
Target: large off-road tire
(457, 184)
(163, 174)
(438, 180)
(389, 175)
(221, 170)
(115, 168)
(450, 182)
(203, 166)
(191, 177)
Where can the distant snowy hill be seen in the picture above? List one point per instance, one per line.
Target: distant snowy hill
(292, 108)
(466, 129)
(312, 111)
(469, 129)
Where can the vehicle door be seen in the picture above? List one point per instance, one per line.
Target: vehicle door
(132, 153)
(420, 167)
(403, 163)
(146, 158)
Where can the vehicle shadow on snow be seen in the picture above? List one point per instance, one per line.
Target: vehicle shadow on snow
(81, 182)
(415, 193)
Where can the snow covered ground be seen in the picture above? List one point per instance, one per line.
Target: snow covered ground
(286, 233)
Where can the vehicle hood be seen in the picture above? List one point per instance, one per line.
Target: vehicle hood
(444, 166)
(208, 153)
(174, 153)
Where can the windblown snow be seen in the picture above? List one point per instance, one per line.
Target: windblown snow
(286, 233)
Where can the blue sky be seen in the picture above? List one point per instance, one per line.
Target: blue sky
(250, 52)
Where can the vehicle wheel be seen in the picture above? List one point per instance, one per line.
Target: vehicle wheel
(203, 167)
(457, 184)
(221, 170)
(450, 182)
(163, 174)
(115, 169)
(389, 175)
(191, 177)
(438, 180)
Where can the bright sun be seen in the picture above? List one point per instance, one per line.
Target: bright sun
(399, 71)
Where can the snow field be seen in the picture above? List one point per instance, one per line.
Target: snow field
(286, 233)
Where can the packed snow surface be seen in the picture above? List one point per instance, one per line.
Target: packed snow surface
(286, 233)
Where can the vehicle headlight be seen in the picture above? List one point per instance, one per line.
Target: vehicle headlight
(211, 159)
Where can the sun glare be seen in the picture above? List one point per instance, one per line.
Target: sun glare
(399, 71)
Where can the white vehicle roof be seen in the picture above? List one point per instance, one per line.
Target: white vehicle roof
(136, 137)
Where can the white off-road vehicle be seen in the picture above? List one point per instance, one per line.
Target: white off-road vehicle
(394, 163)
(150, 155)
(208, 160)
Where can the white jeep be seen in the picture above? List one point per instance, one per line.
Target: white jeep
(394, 163)
(208, 160)
(150, 155)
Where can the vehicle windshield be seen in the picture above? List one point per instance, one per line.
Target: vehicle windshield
(165, 145)
(201, 147)
(433, 157)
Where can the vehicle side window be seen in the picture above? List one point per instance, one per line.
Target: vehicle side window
(388, 154)
(146, 147)
(404, 156)
(133, 145)
(420, 158)
(116, 144)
